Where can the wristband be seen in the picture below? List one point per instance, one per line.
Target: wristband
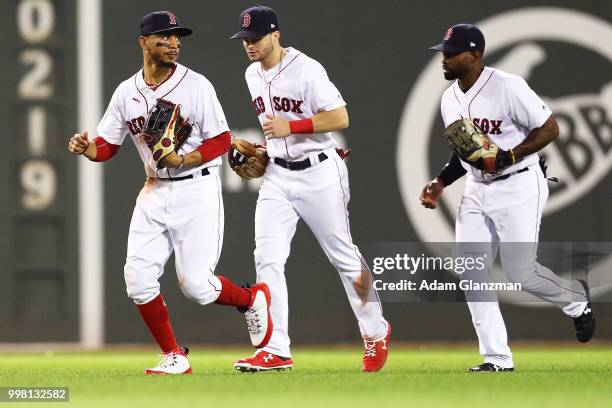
(301, 126)
(513, 156)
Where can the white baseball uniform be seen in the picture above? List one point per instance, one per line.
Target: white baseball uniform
(298, 88)
(506, 211)
(183, 215)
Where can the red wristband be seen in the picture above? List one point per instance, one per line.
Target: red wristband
(301, 126)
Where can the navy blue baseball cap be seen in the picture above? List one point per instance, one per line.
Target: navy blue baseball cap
(461, 37)
(160, 21)
(257, 22)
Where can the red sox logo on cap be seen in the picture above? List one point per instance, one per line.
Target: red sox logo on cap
(448, 34)
(246, 20)
(172, 17)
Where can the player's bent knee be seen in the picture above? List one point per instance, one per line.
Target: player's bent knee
(201, 291)
(138, 287)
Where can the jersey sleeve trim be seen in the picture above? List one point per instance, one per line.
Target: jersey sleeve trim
(543, 122)
(333, 106)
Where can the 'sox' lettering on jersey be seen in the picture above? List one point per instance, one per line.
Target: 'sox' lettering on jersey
(287, 105)
(259, 105)
(135, 125)
(489, 126)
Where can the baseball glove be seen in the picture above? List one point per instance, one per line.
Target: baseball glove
(165, 131)
(473, 146)
(248, 160)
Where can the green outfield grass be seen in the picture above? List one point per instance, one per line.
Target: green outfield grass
(545, 377)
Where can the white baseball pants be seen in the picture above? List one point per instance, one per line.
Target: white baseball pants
(509, 212)
(319, 195)
(183, 216)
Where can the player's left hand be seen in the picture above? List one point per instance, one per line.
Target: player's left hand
(276, 127)
(173, 161)
(475, 147)
(431, 193)
(504, 159)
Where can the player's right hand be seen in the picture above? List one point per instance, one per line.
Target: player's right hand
(431, 193)
(78, 143)
(275, 126)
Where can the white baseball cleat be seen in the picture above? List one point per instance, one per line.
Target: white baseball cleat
(173, 362)
(257, 315)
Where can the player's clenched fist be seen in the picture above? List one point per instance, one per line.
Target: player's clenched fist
(275, 126)
(78, 143)
(431, 193)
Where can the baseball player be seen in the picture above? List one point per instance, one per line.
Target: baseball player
(298, 108)
(180, 207)
(503, 208)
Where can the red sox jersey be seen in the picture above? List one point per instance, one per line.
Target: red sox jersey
(296, 88)
(504, 107)
(133, 99)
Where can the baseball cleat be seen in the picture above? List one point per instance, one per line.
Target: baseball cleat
(263, 361)
(584, 325)
(257, 315)
(376, 352)
(173, 362)
(489, 368)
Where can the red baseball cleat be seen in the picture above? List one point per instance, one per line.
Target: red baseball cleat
(376, 352)
(257, 315)
(263, 361)
(173, 362)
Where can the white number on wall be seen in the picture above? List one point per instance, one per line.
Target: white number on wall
(39, 184)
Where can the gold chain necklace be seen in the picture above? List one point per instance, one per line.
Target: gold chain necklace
(158, 83)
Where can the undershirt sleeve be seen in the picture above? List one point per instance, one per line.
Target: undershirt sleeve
(452, 171)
